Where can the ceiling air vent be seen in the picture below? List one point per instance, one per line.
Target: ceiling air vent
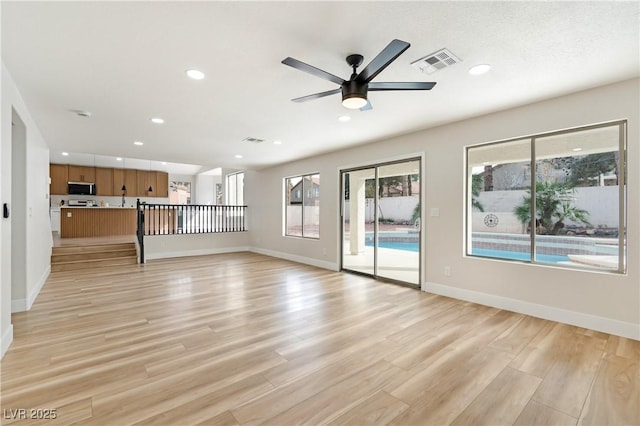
(252, 140)
(436, 61)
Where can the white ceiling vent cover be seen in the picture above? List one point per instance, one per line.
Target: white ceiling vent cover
(252, 140)
(436, 61)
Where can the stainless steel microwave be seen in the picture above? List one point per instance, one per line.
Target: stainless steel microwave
(81, 188)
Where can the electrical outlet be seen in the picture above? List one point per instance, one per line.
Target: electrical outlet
(447, 271)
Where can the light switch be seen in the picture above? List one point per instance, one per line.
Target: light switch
(68, 214)
(435, 212)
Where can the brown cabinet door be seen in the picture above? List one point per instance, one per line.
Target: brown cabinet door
(104, 182)
(59, 179)
(130, 183)
(82, 174)
(153, 184)
(126, 178)
(142, 182)
(118, 181)
(162, 184)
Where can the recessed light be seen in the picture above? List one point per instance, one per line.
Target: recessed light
(576, 149)
(479, 69)
(138, 143)
(238, 156)
(277, 142)
(195, 74)
(65, 154)
(164, 163)
(119, 159)
(344, 118)
(157, 120)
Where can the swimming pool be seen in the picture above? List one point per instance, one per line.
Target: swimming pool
(501, 254)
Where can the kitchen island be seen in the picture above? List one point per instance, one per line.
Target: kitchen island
(76, 222)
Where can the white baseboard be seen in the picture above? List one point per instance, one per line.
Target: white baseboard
(299, 259)
(34, 293)
(196, 252)
(18, 305)
(6, 339)
(606, 325)
(21, 305)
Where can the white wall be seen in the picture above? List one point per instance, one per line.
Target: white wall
(599, 201)
(206, 188)
(38, 227)
(398, 209)
(166, 246)
(604, 302)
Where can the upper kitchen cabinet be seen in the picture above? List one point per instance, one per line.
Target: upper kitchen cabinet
(157, 181)
(126, 178)
(144, 181)
(104, 182)
(162, 185)
(82, 174)
(59, 179)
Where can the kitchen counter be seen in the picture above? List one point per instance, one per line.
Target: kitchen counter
(81, 221)
(97, 208)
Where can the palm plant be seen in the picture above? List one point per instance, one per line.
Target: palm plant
(553, 207)
(476, 185)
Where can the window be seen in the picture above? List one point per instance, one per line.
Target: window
(235, 189)
(179, 192)
(302, 214)
(575, 183)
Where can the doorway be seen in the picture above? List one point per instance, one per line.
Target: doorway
(18, 213)
(381, 230)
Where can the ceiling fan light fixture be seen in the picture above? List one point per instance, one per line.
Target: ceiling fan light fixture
(354, 102)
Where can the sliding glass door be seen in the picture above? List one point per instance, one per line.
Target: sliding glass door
(381, 221)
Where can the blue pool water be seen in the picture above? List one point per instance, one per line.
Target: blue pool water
(397, 246)
(515, 255)
(502, 254)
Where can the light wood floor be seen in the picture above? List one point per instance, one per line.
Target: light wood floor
(247, 339)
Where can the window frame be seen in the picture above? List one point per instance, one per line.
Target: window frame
(228, 178)
(302, 191)
(622, 196)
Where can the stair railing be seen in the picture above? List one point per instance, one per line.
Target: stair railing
(174, 219)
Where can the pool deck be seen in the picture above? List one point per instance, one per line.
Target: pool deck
(400, 265)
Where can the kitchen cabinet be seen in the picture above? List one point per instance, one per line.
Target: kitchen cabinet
(126, 177)
(82, 174)
(80, 222)
(118, 181)
(162, 184)
(104, 182)
(146, 179)
(59, 179)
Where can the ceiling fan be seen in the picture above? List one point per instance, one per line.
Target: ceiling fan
(354, 91)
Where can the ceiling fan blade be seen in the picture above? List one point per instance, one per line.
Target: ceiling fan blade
(384, 58)
(312, 70)
(367, 107)
(414, 85)
(317, 95)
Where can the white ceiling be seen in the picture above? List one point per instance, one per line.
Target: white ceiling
(125, 61)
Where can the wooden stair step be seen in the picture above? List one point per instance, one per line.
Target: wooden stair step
(93, 263)
(94, 255)
(92, 248)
